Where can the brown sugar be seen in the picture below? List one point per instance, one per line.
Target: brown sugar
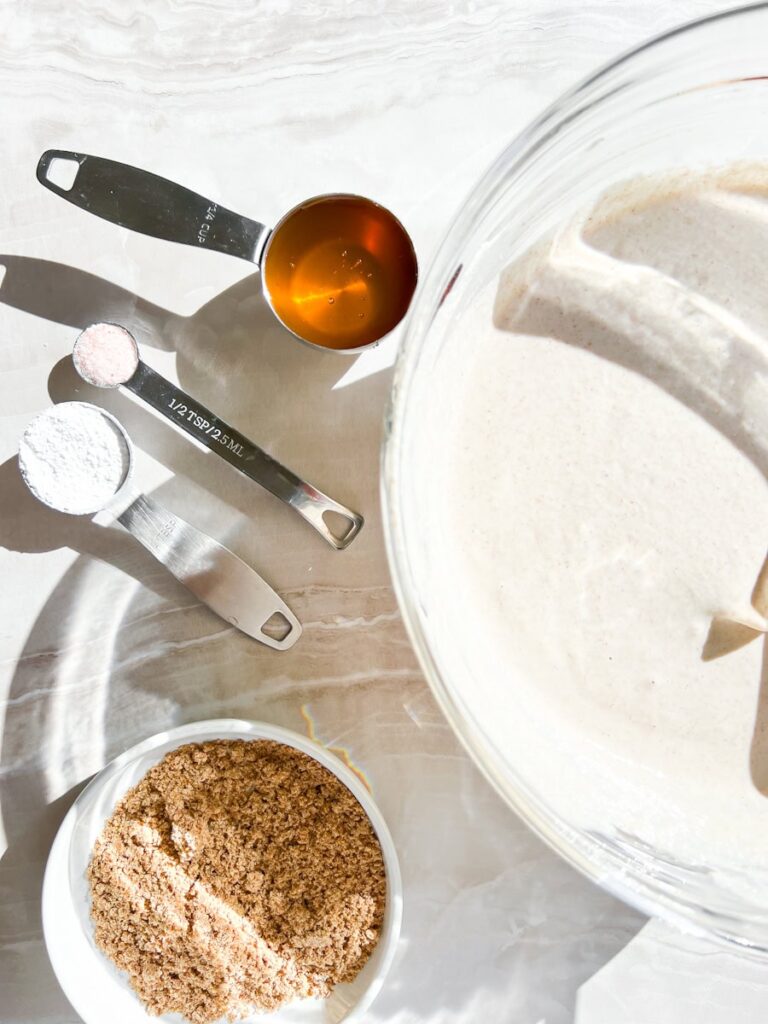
(237, 875)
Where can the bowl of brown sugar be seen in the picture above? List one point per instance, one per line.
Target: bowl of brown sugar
(225, 870)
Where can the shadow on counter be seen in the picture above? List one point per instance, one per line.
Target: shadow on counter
(110, 661)
(105, 663)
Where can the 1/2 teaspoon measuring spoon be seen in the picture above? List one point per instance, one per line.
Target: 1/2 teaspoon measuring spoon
(107, 355)
(213, 573)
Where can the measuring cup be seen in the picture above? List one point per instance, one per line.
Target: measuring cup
(207, 428)
(216, 576)
(338, 271)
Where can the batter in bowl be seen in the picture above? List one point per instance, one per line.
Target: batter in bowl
(604, 515)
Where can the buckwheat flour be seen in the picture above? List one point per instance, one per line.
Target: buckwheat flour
(237, 875)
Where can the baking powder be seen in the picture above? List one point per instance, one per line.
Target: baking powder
(74, 458)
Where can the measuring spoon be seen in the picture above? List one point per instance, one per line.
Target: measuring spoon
(216, 576)
(338, 271)
(107, 355)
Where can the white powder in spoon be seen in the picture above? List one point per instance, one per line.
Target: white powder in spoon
(74, 458)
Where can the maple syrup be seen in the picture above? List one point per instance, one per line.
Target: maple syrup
(340, 271)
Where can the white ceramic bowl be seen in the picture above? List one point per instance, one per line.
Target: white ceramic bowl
(95, 987)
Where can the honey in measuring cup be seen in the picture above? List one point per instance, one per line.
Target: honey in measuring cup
(340, 271)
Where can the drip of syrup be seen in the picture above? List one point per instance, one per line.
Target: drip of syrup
(340, 271)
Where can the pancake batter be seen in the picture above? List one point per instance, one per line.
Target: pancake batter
(603, 516)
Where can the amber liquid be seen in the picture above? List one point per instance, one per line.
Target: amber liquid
(340, 271)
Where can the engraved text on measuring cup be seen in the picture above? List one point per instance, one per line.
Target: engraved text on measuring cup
(205, 227)
(193, 417)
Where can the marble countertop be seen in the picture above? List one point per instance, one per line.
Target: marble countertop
(259, 106)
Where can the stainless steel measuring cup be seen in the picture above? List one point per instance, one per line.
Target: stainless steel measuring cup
(213, 573)
(338, 271)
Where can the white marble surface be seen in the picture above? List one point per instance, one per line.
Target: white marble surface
(259, 105)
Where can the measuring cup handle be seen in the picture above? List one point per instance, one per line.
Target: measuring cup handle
(315, 507)
(153, 205)
(215, 575)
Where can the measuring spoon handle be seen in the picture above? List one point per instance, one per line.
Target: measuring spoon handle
(236, 449)
(215, 575)
(154, 206)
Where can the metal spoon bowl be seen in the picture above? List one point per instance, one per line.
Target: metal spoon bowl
(214, 574)
(28, 470)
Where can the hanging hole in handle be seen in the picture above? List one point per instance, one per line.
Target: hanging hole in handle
(341, 527)
(277, 627)
(62, 172)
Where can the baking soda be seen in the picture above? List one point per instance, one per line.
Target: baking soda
(74, 458)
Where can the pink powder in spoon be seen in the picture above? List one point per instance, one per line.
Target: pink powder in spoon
(106, 355)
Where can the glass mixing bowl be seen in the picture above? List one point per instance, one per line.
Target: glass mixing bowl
(697, 96)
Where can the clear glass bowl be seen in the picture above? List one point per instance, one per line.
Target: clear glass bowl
(697, 96)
